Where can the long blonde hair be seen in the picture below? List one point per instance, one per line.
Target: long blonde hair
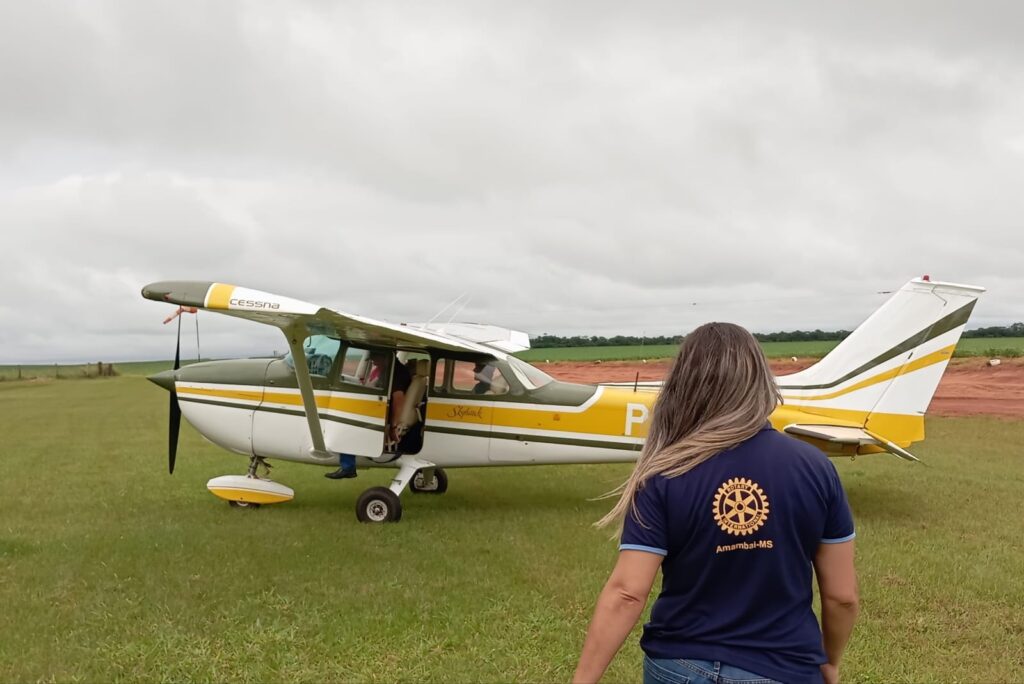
(719, 392)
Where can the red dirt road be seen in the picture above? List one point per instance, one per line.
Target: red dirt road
(968, 388)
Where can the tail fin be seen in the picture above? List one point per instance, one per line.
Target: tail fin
(882, 377)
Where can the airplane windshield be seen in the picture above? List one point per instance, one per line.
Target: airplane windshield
(320, 351)
(530, 376)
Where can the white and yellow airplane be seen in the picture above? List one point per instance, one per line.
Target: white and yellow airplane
(471, 403)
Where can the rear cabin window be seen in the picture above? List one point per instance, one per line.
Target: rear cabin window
(439, 368)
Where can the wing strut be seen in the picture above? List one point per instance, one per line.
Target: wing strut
(295, 334)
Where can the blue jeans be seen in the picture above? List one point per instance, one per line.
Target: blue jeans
(347, 461)
(664, 671)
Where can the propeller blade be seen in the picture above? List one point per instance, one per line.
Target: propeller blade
(174, 424)
(174, 419)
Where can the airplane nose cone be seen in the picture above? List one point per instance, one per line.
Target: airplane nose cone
(164, 379)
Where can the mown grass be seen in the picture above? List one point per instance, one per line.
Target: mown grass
(111, 570)
(1006, 347)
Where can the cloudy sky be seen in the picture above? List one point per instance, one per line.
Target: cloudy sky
(571, 167)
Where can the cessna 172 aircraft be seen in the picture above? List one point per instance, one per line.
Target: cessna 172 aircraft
(471, 403)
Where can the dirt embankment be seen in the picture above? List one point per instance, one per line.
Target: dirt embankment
(968, 388)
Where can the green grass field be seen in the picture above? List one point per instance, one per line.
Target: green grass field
(112, 570)
(999, 346)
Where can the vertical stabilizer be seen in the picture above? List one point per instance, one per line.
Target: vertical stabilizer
(883, 376)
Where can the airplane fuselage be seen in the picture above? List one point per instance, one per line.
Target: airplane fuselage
(252, 407)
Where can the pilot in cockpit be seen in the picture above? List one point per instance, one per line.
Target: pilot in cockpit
(483, 373)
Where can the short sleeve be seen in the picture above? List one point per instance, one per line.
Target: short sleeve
(649, 532)
(838, 519)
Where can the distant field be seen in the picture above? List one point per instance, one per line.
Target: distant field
(996, 346)
(111, 570)
(76, 371)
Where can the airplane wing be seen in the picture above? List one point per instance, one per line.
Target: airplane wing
(841, 435)
(285, 313)
(298, 319)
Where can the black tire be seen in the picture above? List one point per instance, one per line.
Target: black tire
(244, 504)
(439, 485)
(378, 505)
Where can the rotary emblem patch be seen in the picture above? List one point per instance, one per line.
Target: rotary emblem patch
(740, 506)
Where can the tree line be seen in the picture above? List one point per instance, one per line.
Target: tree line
(552, 341)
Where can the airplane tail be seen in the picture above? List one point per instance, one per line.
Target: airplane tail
(878, 382)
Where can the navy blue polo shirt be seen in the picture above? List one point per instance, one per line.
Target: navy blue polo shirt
(739, 533)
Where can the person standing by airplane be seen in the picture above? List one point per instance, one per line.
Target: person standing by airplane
(735, 514)
(376, 377)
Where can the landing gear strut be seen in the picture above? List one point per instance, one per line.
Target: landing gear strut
(256, 462)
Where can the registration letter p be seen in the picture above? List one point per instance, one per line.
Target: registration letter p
(636, 414)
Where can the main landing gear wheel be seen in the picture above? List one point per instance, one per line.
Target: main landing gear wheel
(244, 504)
(378, 505)
(423, 483)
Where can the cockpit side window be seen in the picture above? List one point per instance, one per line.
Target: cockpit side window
(477, 377)
(365, 369)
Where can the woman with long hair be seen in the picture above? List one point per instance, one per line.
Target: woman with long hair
(735, 514)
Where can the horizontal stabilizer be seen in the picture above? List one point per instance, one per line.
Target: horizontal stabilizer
(840, 435)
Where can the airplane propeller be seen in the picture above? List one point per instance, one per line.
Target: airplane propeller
(162, 379)
(174, 421)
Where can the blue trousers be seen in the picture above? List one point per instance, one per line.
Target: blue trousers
(664, 671)
(347, 461)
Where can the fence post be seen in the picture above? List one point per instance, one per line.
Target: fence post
(19, 372)
(56, 371)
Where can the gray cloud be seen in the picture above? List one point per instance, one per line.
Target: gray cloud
(605, 170)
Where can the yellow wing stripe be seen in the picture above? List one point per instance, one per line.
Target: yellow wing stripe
(923, 362)
(219, 296)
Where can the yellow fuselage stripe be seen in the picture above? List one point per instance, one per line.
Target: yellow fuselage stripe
(605, 418)
(371, 407)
